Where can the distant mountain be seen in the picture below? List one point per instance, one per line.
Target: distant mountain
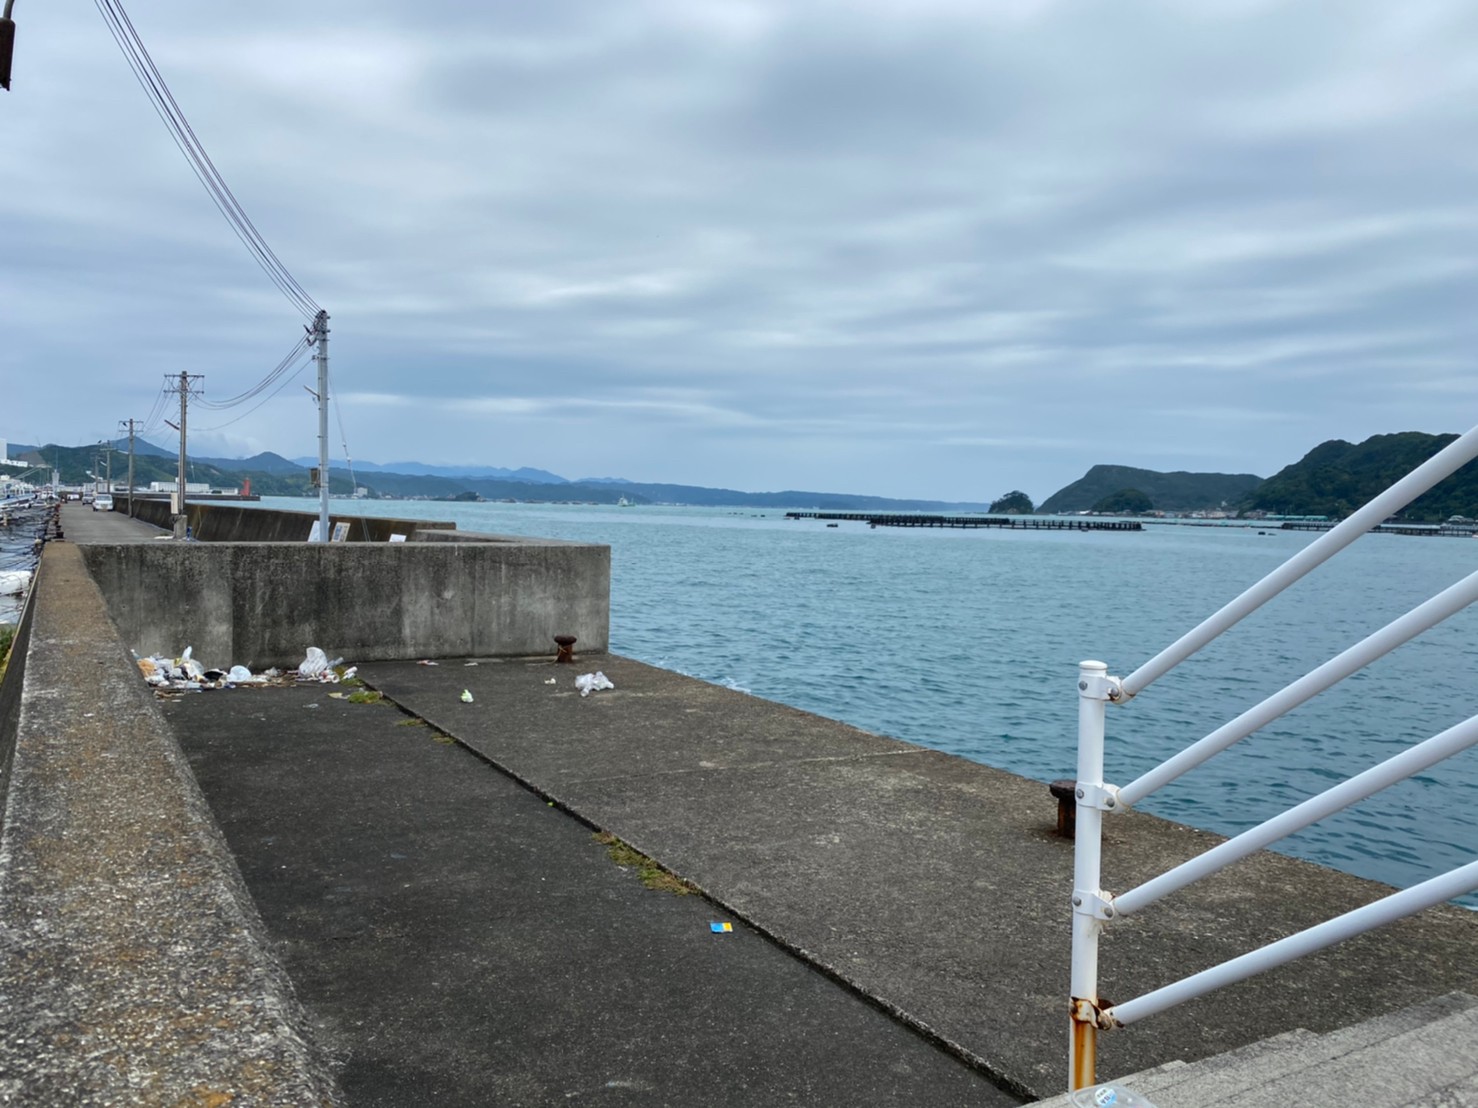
(523, 473)
(1336, 477)
(145, 449)
(265, 462)
(825, 501)
(1169, 492)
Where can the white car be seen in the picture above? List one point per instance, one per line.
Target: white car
(103, 502)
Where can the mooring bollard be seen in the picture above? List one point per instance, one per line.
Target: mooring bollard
(566, 645)
(1066, 791)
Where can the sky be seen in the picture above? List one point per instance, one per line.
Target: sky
(918, 248)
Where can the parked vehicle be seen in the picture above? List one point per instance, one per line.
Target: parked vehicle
(103, 502)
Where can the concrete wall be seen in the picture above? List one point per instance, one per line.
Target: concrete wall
(133, 965)
(10, 696)
(236, 522)
(263, 604)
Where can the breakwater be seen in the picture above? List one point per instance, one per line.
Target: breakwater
(827, 839)
(1000, 523)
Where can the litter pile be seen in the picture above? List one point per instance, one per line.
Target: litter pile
(588, 683)
(185, 674)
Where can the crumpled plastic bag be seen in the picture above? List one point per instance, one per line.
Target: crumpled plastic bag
(194, 671)
(588, 683)
(314, 664)
(239, 675)
(318, 666)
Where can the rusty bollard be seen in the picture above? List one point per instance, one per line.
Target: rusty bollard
(1066, 791)
(566, 645)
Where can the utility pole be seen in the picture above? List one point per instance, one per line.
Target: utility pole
(129, 424)
(319, 332)
(181, 519)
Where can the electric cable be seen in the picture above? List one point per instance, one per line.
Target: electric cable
(167, 108)
(344, 441)
(265, 383)
(285, 382)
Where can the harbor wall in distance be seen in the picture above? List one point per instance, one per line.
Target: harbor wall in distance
(262, 604)
(236, 522)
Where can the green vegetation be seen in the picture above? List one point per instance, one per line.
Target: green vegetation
(1125, 502)
(1014, 502)
(7, 638)
(1170, 492)
(1336, 477)
(365, 696)
(651, 874)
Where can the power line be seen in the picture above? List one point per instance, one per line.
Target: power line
(265, 383)
(163, 101)
(287, 381)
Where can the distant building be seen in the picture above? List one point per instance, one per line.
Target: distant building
(198, 487)
(5, 457)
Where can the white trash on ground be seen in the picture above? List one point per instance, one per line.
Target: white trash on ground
(317, 667)
(185, 674)
(314, 664)
(588, 683)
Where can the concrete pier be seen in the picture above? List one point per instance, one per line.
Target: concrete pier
(425, 877)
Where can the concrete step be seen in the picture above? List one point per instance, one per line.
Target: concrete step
(1229, 1071)
(1145, 1082)
(1405, 1070)
(1265, 1054)
(1425, 1055)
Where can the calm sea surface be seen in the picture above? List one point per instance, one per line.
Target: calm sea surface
(968, 642)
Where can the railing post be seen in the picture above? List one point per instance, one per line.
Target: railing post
(1088, 900)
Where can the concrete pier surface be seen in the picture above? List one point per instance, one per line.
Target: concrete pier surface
(425, 870)
(457, 940)
(933, 887)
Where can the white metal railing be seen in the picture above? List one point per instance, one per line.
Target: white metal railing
(1093, 907)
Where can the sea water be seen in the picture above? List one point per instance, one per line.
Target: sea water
(968, 642)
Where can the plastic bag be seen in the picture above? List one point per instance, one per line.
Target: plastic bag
(239, 675)
(588, 683)
(314, 664)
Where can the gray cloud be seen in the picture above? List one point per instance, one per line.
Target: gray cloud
(933, 249)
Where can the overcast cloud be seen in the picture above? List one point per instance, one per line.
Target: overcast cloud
(925, 248)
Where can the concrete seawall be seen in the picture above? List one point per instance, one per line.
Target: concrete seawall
(133, 966)
(216, 522)
(263, 604)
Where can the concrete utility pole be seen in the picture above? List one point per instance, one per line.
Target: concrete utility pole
(129, 425)
(320, 341)
(181, 519)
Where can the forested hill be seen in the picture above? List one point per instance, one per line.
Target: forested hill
(1168, 492)
(1336, 477)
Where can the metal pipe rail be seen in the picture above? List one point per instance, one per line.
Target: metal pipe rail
(1421, 618)
(1093, 907)
(1444, 463)
(1396, 768)
(1388, 909)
